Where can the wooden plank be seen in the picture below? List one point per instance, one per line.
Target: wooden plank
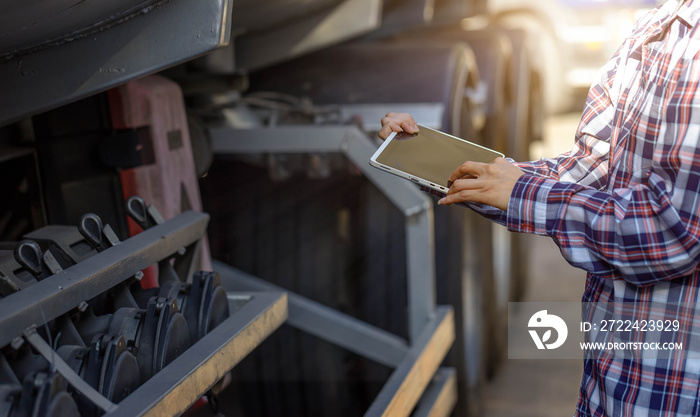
(407, 383)
(440, 397)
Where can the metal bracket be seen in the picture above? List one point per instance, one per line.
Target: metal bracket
(431, 329)
(429, 114)
(43, 348)
(53, 297)
(324, 322)
(353, 143)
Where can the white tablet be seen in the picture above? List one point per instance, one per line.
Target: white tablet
(428, 157)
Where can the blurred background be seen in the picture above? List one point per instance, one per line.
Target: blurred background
(575, 38)
(339, 290)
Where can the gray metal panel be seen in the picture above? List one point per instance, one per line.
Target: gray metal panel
(62, 292)
(349, 19)
(452, 11)
(152, 40)
(36, 23)
(323, 322)
(255, 15)
(189, 376)
(407, 15)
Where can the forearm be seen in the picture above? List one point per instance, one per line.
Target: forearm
(633, 233)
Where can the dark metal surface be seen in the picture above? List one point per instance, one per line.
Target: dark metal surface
(324, 322)
(52, 297)
(36, 23)
(64, 369)
(254, 15)
(310, 32)
(171, 391)
(151, 40)
(66, 240)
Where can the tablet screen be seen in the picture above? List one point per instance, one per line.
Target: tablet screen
(432, 155)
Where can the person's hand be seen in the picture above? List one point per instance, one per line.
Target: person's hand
(397, 122)
(478, 182)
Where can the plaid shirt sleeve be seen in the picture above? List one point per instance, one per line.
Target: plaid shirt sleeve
(585, 164)
(636, 218)
(624, 204)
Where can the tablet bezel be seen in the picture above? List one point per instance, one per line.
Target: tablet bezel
(415, 178)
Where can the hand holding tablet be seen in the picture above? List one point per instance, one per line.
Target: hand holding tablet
(463, 170)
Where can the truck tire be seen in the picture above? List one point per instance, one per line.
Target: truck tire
(504, 62)
(493, 52)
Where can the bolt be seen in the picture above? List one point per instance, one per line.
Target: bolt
(17, 343)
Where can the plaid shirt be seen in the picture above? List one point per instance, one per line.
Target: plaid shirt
(624, 203)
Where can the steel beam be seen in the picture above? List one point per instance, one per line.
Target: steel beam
(409, 380)
(176, 387)
(58, 294)
(351, 141)
(323, 322)
(429, 114)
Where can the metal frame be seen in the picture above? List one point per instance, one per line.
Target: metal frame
(151, 40)
(254, 316)
(429, 114)
(60, 293)
(431, 328)
(407, 383)
(440, 397)
(323, 322)
(177, 386)
(45, 350)
(353, 143)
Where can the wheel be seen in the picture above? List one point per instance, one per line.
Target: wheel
(493, 52)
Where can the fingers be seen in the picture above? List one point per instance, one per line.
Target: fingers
(469, 189)
(477, 182)
(388, 127)
(397, 122)
(467, 169)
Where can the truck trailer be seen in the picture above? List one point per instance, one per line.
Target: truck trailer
(191, 226)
